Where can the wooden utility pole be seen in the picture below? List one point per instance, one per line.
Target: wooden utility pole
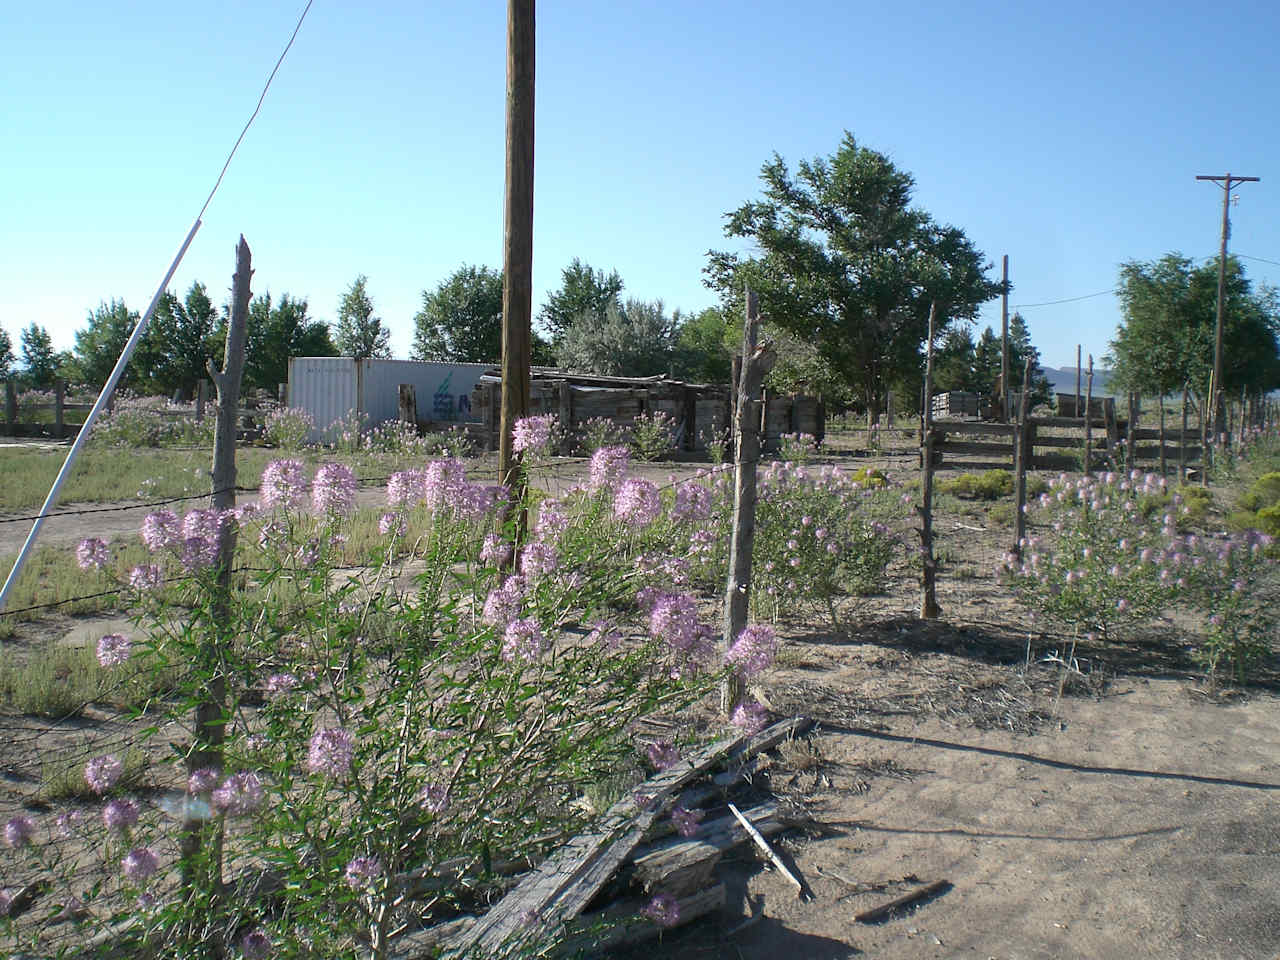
(1078, 398)
(211, 707)
(1004, 342)
(1088, 419)
(929, 609)
(757, 361)
(1022, 457)
(1215, 383)
(517, 247)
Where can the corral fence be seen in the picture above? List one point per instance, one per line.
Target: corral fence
(702, 413)
(61, 419)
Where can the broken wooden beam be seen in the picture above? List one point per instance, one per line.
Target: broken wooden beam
(680, 865)
(623, 924)
(760, 842)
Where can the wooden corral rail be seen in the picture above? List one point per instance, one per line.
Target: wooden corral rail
(992, 444)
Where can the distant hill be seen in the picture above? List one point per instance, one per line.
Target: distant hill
(1064, 380)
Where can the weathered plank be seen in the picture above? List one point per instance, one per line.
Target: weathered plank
(622, 923)
(567, 880)
(973, 447)
(975, 429)
(680, 864)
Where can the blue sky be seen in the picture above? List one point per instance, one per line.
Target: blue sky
(1065, 135)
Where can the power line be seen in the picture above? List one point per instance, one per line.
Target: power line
(1050, 303)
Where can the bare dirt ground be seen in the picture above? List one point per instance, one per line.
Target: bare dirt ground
(1129, 811)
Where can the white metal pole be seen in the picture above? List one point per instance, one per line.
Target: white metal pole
(52, 499)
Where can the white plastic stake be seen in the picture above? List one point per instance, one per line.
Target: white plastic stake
(52, 499)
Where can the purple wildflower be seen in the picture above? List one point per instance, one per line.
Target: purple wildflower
(392, 524)
(202, 780)
(748, 716)
(362, 871)
(637, 502)
(331, 751)
(686, 821)
(674, 618)
(503, 604)
(101, 773)
(279, 684)
(284, 483)
(140, 864)
(92, 553)
(120, 815)
(495, 552)
(405, 487)
(609, 466)
(256, 945)
(159, 530)
(552, 521)
(145, 578)
(114, 649)
(434, 797)
(444, 485)
(532, 434)
(523, 640)
(663, 910)
(333, 491)
(754, 649)
(693, 502)
(663, 754)
(240, 794)
(19, 831)
(538, 559)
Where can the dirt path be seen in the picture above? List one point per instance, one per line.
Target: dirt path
(1141, 824)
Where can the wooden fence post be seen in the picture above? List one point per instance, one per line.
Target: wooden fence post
(929, 609)
(1088, 419)
(59, 403)
(565, 415)
(1182, 440)
(1164, 466)
(757, 361)
(408, 404)
(10, 406)
(202, 395)
(210, 728)
(1022, 454)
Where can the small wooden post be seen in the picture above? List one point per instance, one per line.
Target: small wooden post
(564, 412)
(889, 412)
(1112, 427)
(1182, 440)
(1004, 339)
(1078, 398)
(10, 405)
(929, 609)
(1164, 465)
(1022, 451)
(757, 361)
(408, 405)
(1088, 419)
(210, 728)
(202, 397)
(690, 403)
(59, 407)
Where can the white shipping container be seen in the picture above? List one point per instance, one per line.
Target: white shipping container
(330, 388)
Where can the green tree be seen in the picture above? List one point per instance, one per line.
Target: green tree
(634, 340)
(180, 343)
(99, 345)
(1166, 336)
(461, 320)
(955, 362)
(39, 360)
(1022, 349)
(360, 334)
(700, 352)
(6, 353)
(846, 263)
(582, 291)
(276, 332)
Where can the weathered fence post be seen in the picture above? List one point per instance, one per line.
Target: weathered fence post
(10, 406)
(565, 414)
(756, 362)
(202, 395)
(210, 728)
(1182, 440)
(407, 406)
(1088, 420)
(929, 609)
(1164, 466)
(59, 404)
(1022, 454)
(1078, 371)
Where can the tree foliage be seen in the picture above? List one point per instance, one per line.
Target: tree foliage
(634, 340)
(583, 291)
(360, 334)
(461, 320)
(6, 353)
(277, 331)
(1166, 336)
(39, 360)
(100, 343)
(180, 343)
(701, 351)
(846, 263)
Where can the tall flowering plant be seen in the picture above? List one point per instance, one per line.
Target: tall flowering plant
(387, 733)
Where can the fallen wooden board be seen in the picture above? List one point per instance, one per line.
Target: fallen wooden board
(567, 880)
(681, 865)
(622, 923)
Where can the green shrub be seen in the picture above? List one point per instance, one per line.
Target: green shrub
(989, 485)
(869, 478)
(1263, 492)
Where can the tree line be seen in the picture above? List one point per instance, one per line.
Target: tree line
(846, 268)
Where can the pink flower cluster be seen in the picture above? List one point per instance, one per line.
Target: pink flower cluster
(331, 752)
(284, 484)
(637, 502)
(361, 872)
(114, 650)
(523, 640)
(92, 554)
(503, 603)
(609, 466)
(532, 434)
(754, 650)
(333, 491)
